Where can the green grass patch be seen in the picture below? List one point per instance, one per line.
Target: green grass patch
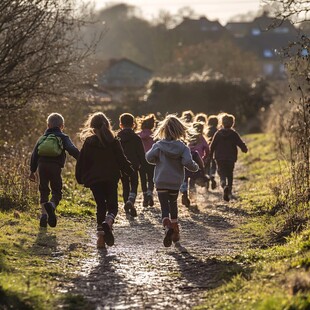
(278, 251)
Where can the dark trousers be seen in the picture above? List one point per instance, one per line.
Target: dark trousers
(50, 181)
(168, 203)
(225, 169)
(130, 186)
(210, 167)
(105, 194)
(146, 177)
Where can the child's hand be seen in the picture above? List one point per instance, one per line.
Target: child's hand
(32, 177)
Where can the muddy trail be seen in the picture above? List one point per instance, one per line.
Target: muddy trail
(138, 272)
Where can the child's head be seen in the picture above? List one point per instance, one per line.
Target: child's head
(171, 128)
(212, 121)
(199, 127)
(148, 122)
(187, 116)
(99, 125)
(55, 120)
(201, 117)
(127, 120)
(227, 120)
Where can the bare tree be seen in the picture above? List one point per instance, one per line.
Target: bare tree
(39, 48)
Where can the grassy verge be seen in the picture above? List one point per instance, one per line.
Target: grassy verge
(279, 260)
(38, 265)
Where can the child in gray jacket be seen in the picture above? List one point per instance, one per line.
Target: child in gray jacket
(170, 156)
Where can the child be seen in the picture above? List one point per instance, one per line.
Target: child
(201, 118)
(134, 151)
(147, 172)
(224, 147)
(200, 151)
(49, 165)
(210, 164)
(187, 116)
(170, 155)
(98, 167)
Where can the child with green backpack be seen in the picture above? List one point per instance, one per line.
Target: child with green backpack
(48, 157)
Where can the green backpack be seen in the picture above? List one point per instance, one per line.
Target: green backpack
(50, 145)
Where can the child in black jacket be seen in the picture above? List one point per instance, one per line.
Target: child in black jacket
(224, 148)
(134, 151)
(49, 167)
(99, 167)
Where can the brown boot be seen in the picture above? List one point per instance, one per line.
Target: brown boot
(168, 232)
(100, 240)
(176, 232)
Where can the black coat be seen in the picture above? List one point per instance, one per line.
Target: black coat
(98, 163)
(133, 147)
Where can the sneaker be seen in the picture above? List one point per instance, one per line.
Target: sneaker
(50, 209)
(130, 208)
(108, 235)
(185, 200)
(100, 240)
(176, 232)
(226, 193)
(43, 220)
(133, 211)
(213, 184)
(168, 232)
(150, 200)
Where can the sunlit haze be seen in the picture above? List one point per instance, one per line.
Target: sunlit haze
(221, 10)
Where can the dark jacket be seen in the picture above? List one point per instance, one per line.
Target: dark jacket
(133, 147)
(98, 163)
(224, 145)
(61, 159)
(210, 133)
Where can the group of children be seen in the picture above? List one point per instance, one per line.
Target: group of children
(170, 155)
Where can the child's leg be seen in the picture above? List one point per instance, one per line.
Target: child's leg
(134, 181)
(230, 174)
(101, 202)
(173, 206)
(43, 184)
(56, 184)
(143, 180)
(126, 187)
(221, 172)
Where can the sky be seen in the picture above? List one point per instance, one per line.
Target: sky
(221, 10)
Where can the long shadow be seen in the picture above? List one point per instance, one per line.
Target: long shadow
(45, 244)
(205, 273)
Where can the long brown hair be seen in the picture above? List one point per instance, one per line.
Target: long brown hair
(98, 124)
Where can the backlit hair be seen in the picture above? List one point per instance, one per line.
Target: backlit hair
(171, 128)
(227, 120)
(55, 120)
(98, 124)
(127, 120)
(213, 121)
(201, 117)
(187, 116)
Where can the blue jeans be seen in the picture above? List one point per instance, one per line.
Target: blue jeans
(168, 202)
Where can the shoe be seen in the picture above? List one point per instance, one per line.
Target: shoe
(133, 211)
(213, 184)
(50, 210)
(150, 200)
(176, 232)
(108, 235)
(185, 200)
(226, 193)
(130, 208)
(168, 232)
(100, 239)
(43, 220)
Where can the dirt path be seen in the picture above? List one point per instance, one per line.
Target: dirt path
(140, 273)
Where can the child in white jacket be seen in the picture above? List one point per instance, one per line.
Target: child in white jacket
(170, 156)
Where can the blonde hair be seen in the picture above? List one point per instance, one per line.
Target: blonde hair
(98, 124)
(55, 120)
(227, 120)
(171, 128)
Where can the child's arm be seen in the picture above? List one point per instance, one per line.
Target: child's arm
(79, 167)
(187, 160)
(34, 162)
(141, 153)
(241, 144)
(152, 155)
(70, 147)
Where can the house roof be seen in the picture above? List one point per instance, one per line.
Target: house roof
(199, 24)
(113, 61)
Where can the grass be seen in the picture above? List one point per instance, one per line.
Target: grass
(279, 277)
